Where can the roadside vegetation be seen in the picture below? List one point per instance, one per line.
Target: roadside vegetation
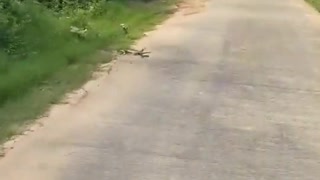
(48, 47)
(315, 3)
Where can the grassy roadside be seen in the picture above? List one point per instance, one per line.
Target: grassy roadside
(29, 87)
(314, 3)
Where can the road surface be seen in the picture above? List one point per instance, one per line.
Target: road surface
(231, 93)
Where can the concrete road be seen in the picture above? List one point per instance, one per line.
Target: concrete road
(232, 93)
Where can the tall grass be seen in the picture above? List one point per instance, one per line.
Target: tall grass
(44, 60)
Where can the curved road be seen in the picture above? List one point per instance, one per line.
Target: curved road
(232, 93)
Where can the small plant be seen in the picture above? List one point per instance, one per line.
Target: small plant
(80, 33)
(125, 29)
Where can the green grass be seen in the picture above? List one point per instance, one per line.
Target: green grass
(61, 62)
(314, 3)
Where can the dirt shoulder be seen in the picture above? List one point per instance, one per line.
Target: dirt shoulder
(189, 7)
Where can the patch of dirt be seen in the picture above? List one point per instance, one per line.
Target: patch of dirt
(189, 7)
